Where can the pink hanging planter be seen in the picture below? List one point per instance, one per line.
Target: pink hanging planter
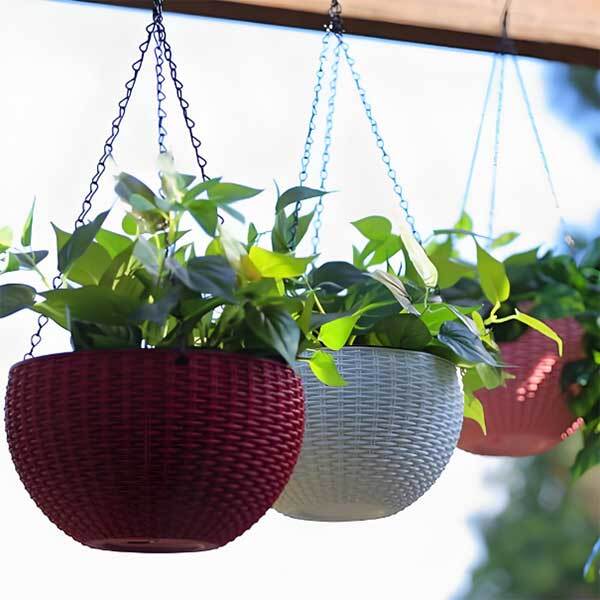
(154, 450)
(530, 415)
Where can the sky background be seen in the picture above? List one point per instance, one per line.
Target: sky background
(250, 87)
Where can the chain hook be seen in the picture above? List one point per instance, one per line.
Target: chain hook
(336, 23)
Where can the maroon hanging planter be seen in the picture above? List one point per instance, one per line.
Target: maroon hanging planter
(154, 450)
(530, 415)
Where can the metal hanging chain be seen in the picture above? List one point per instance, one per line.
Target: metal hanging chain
(159, 36)
(488, 94)
(86, 206)
(568, 238)
(326, 156)
(497, 133)
(398, 191)
(185, 105)
(306, 154)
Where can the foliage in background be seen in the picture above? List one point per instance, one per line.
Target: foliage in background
(536, 547)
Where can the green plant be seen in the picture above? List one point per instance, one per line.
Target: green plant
(552, 286)
(149, 287)
(368, 304)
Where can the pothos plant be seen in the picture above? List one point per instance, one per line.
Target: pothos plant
(375, 302)
(150, 285)
(553, 286)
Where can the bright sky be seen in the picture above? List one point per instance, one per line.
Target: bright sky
(250, 89)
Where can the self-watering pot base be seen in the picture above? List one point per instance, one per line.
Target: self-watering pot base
(375, 446)
(154, 450)
(151, 545)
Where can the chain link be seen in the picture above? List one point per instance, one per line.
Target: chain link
(326, 157)
(185, 105)
(486, 102)
(497, 136)
(391, 172)
(86, 205)
(306, 154)
(159, 35)
(163, 52)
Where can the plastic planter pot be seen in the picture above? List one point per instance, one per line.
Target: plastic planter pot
(154, 450)
(375, 446)
(530, 414)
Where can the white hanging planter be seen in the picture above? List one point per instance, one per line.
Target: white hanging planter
(375, 446)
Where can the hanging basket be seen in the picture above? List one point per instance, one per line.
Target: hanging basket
(374, 447)
(154, 450)
(530, 414)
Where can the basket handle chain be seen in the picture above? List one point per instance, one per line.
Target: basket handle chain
(335, 28)
(163, 53)
(508, 46)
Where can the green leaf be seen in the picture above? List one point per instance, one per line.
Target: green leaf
(6, 238)
(323, 366)
(15, 297)
(335, 334)
(238, 216)
(464, 222)
(149, 256)
(141, 204)
(276, 265)
(193, 193)
(128, 186)
(113, 243)
(540, 327)
(130, 225)
(88, 303)
(337, 273)
(592, 564)
(91, 336)
(492, 275)
(158, 312)
(252, 234)
(450, 271)
(27, 228)
(376, 229)
(402, 331)
(226, 193)
(465, 344)
(276, 328)
(474, 410)
(504, 239)
(418, 257)
(587, 458)
(204, 213)
(522, 259)
(79, 242)
(297, 194)
(23, 260)
(384, 251)
(207, 275)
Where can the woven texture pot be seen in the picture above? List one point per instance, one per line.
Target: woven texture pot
(530, 414)
(374, 447)
(154, 450)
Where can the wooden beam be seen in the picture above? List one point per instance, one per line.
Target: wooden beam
(549, 29)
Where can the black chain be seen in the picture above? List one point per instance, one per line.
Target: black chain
(159, 36)
(163, 51)
(185, 105)
(86, 206)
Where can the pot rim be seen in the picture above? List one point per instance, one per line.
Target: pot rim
(172, 351)
(395, 350)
